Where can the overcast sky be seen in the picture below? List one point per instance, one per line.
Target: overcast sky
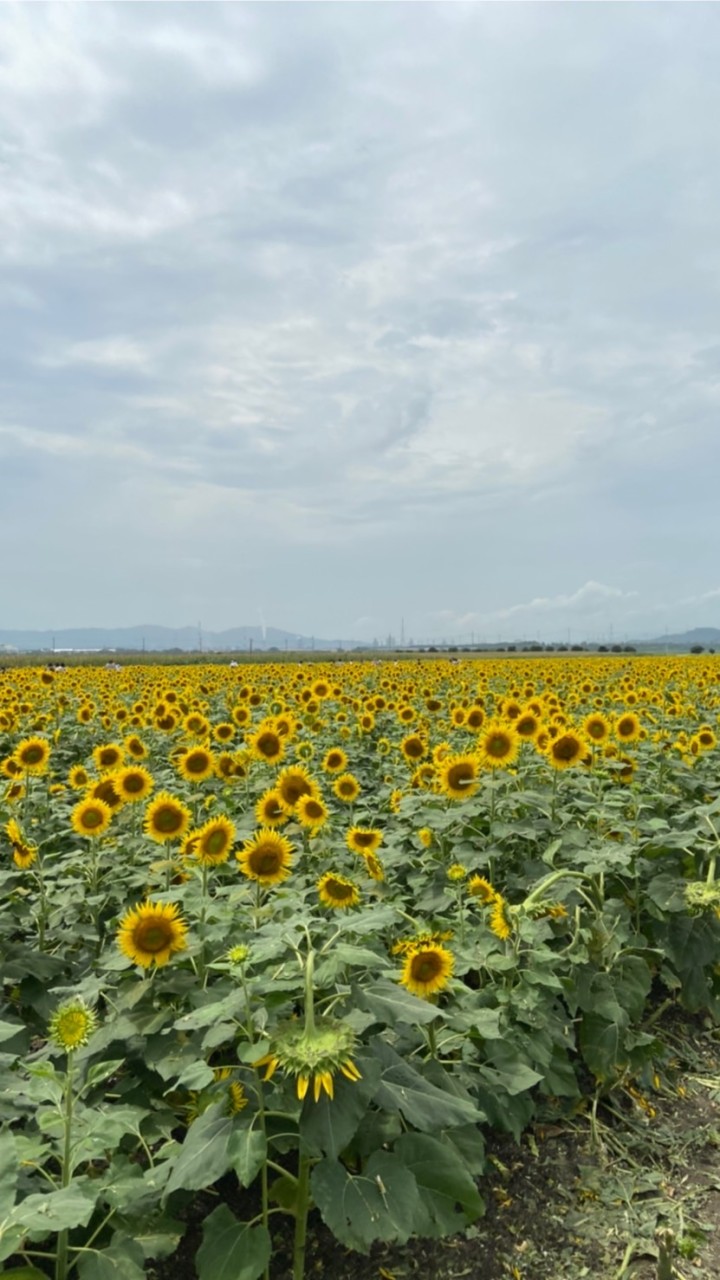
(336, 314)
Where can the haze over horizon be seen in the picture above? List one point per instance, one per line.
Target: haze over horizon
(320, 316)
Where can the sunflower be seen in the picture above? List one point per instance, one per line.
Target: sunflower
(71, 1025)
(499, 745)
(292, 783)
(151, 933)
(266, 857)
(458, 776)
(596, 728)
(627, 727)
(91, 817)
(266, 744)
(425, 836)
(337, 891)
(166, 818)
(24, 854)
(527, 726)
(311, 812)
(427, 970)
(135, 747)
(196, 764)
(346, 788)
(479, 887)
(566, 750)
(312, 1057)
(33, 754)
(105, 790)
(363, 840)
(78, 777)
(335, 760)
(213, 842)
(108, 756)
(500, 922)
(133, 783)
(195, 724)
(269, 810)
(374, 867)
(413, 748)
(224, 732)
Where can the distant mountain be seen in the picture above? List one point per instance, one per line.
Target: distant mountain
(155, 639)
(708, 637)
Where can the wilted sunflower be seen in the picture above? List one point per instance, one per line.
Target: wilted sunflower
(363, 839)
(337, 891)
(108, 756)
(311, 812)
(134, 783)
(166, 818)
(427, 970)
(151, 933)
(196, 764)
(214, 841)
(91, 817)
(458, 776)
(346, 788)
(266, 857)
(33, 754)
(313, 1057)
(498, 745)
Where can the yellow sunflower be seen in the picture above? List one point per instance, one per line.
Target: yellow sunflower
(134, 783)
(78, 777)
(213, 842)
(196, 764)
(335, 760)
(292, 783)
(266, 857)
(566, 750)
(311, 812)
(33, 755)
(499, 745)
(374, 867)
(414, 747)
(346, 788)
(363, 840)
(151, 933)
(91, 817)
(166, 818)
(479, 887)
(269, 810)
(427, 970)
(458, 776)
(267, 744)
(135, 747)
(108, 756)
(337, 891)
(627, 728)
(596, 728)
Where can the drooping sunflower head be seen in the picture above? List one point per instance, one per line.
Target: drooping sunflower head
(312, 1058)
(71, 1025)
(479, 887)
(266, 857)
(151, 933)
(374, 867)
(337, 891)
(91, 817)
(166, 818)
(427, 970)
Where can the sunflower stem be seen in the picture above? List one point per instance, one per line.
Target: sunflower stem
(309, 992)
(61, 1257)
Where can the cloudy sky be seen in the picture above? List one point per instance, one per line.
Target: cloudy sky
(336, 314)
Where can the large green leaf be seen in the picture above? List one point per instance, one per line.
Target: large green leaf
(205, 1153)
(602, 1046)
(328, 1125)
(58, 1210)
(390, 1003)
(247, 1152)
(231, 1250)
(424, 1105)
(449, 1195)
(122, 1261)
(382, 1203)
(8, 1173)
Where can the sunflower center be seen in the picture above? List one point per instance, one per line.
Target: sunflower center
(460, 775)
(196, 763)
(498, 746)
(268, 744)
(91, 819)
(426, 966)
(32, 755)
(339, 891)
(265, 862)
(168, 819)
(215, 842)
(133, 783)
(153, 936)
(566, 749)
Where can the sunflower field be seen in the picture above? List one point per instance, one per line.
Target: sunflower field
(299, 937)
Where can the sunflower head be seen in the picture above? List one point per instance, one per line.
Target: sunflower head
(151, 933)
(364, 840)
(214, 841)
(266, 857)
(427, 969)
(337, 891)
(91, 817)
(133, 783)
(33, 755)
(346, 788)
(458, 776)
(292, 783)
(312, 1057)
(71, 1025)
(166, 818)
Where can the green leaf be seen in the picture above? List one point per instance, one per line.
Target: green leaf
(450, 1198)
(8, 1173)
(602, 1046)
(23, 1273)
(327, 1126)
(424, 1105)
(122, 1261)
(101, 1070)
(382, 1203)
(205, 1154)
(390, 1003)
(58, 1210)
(247, 1151)
(231, 1250)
